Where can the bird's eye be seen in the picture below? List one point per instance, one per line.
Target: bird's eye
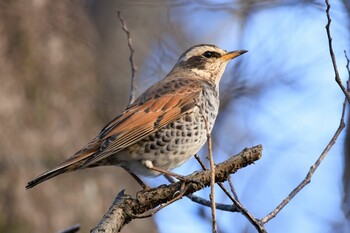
(209, 54)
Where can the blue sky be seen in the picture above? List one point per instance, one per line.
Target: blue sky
(293, 119)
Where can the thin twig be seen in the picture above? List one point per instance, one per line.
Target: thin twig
(200, 162)
(202, 201)
(255, 222)
(313, 168)
(237, 204)
(72, 229)
(131, 58)
(347, 67)
(337, 76)
(218, 206)
(341, 126)
(232, 187)
(212, 172)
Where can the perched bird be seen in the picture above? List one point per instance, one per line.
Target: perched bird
(165, 126)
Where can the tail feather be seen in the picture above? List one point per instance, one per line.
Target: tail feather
(45, 176)
(71, 164)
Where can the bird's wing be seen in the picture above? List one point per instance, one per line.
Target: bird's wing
(156, 108)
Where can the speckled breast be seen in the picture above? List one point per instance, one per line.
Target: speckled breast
(176, 142)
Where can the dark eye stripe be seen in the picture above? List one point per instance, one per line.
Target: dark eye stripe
(210, 54)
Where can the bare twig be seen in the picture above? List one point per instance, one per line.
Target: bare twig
(178, 196)
(313, 168)
(200, 162)
(212, 180)
(232, 187)
(131, 58)
(218, 206)
(202, 201)
(212, 172)
(256, 223)
(238, 205)
(347, 67)
(337, 76)
(72, 229)
(341, 126)
(125, 208)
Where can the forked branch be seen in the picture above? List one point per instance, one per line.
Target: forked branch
(125, 208)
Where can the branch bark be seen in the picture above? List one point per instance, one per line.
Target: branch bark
(331, 52)
(126, 208)
(131, 58)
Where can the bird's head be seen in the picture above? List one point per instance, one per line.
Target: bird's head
(206, 61)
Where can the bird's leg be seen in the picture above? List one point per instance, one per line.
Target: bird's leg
(168, 173)
(148, 164)
(138, 180)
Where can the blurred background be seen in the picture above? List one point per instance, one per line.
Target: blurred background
(65, 73)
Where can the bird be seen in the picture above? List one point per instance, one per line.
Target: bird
(165, 126)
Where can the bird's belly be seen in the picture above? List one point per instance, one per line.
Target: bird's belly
(168, 147)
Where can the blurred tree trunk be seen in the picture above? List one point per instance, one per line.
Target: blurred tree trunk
(346, 174)
(64, 72)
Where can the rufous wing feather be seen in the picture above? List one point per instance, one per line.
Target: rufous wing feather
(142, 121)
(150, 112)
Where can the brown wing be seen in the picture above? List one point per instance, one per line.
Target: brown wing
(158, 106)
(150, 112)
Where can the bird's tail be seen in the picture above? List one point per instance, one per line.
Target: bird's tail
(71, 164)
(48, 175)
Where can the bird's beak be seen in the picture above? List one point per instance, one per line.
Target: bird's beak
(230, 55)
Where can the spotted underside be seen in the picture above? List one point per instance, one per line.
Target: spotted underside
(173, 144)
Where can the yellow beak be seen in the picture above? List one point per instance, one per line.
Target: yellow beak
(233, 54)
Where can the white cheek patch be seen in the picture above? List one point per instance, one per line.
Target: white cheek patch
(201, 73)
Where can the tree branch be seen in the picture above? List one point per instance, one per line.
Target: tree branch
(131, 58)
(218, 206)
(347, 67)
(341, 126)
(202, 201)
(313, 168)
(237, 204)
(334, 62)
(125, 208)
(72, 229)
(212, 172)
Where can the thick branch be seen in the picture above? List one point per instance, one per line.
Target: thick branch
(125, 208)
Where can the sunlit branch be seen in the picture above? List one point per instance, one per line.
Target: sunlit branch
(125, 208)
